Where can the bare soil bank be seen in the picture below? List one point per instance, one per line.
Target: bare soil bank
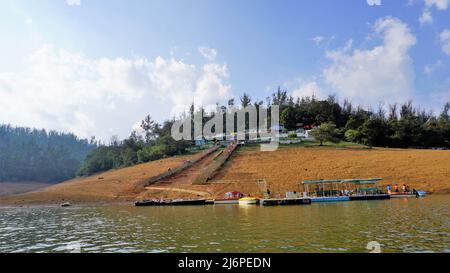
(111, 186)
(282, 169)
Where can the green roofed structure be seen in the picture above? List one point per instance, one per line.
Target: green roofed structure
(353, 181)
(343, 189)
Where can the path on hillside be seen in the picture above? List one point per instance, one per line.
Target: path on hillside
(201, 193)
(180, 183)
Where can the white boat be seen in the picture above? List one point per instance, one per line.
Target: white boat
(408, 194)
(226, 201)
(248, 201)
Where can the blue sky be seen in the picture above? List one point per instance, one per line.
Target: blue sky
(96, 67)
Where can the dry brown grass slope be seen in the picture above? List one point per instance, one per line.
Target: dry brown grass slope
(112, 186)
(285, 168)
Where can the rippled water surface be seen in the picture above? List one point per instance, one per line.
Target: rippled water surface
(402, 225)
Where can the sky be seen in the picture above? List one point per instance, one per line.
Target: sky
(97, 67)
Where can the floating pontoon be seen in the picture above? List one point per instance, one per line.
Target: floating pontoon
(343, 190)
(285, 201)
(176, 202)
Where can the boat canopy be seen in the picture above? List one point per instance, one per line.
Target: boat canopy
(340, 181)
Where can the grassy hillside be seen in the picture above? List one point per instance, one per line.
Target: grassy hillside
(286, 167)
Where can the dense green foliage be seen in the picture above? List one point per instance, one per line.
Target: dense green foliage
(402, 126)
(326, 132)
(36, 155)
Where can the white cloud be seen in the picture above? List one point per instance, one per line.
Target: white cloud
(430, 68)
(427, 16)
(374, 2)
(71, 92)
(309, 89)
(318, 39)
(384, 72)
(208, 53)
(439, 4)
(73, 2)
(444, 39)
(210, 87)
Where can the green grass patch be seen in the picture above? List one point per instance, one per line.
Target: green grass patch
(306, 144)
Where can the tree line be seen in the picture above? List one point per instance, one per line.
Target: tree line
(401, 125)
(155, 142)
(398, 126)
(37, 155)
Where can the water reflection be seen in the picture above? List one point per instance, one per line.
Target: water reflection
(402, 225)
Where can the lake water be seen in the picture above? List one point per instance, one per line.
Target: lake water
(398, 225)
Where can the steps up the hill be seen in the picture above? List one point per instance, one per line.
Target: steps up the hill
(208, 173)
(171, 172)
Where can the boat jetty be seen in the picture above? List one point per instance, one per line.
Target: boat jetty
(344, 190)
(285, 201)
(313, 191)
(176, 202)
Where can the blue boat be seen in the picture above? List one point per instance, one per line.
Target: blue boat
(421, 193)
(330, 199)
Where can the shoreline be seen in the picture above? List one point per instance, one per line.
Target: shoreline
(283, 170)
(51, 204)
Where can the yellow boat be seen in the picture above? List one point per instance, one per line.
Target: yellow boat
(248, 201)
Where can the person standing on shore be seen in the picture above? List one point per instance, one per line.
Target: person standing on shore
(396, 188)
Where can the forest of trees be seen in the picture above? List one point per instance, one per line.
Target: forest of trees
(37, 155)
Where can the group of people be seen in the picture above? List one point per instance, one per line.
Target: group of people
(405, 188)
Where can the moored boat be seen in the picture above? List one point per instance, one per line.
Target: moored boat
(343, 190)
(176, 202)
(369, 197)
(231, 197)
(65, 204)
(403, 195)
(248, 201)
(285, 201)
(408, 194)
(226, 201)
(330, 199)
(421, 193)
